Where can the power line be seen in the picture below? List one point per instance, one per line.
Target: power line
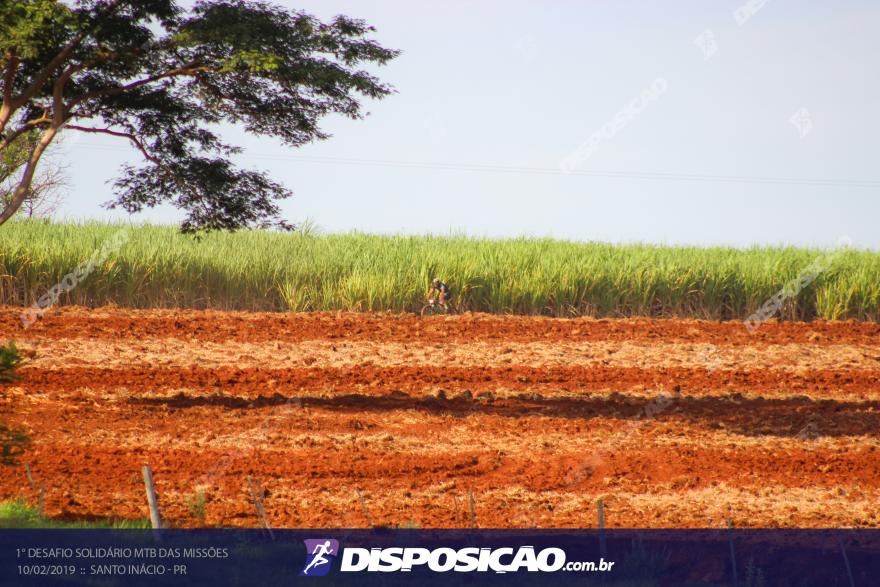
(494, 168)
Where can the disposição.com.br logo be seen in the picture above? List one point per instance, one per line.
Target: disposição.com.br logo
(322, 551)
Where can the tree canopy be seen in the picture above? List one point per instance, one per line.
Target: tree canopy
(165, 78)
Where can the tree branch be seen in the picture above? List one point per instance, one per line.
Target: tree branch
(30, 125)
(6, 109)
(188, 69)
(115, 133)
(45, 73)
(140, 147)
(59, 110)
(58, 102)
(12, 62)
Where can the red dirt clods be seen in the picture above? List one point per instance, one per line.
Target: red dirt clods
(666, 442)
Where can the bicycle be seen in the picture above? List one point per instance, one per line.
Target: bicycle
(433, 308)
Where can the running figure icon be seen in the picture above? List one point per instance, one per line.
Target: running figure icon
(319, 552)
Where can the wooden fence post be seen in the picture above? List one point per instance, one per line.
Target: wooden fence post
(41, 502)
(603, 551)
(30, 477)
(257, 497)
(364, 506)
(852, 582)
(39, 491)
(473, 515)
(152, 501)
(732, 551)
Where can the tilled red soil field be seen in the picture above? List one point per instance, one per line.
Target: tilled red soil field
(674, 423)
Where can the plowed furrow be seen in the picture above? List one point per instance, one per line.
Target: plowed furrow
(265, 327)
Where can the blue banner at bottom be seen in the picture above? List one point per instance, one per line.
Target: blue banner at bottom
(752, 558)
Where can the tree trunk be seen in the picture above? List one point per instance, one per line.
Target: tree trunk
(5, 115)
(24, 185)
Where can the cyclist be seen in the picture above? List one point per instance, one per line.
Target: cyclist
(442, 291)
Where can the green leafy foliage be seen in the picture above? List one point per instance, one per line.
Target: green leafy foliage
(18, 514)
(196, 503)
(10, 360)
(164, 78)
(13, 443)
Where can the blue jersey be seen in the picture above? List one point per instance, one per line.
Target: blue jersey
(441, 289)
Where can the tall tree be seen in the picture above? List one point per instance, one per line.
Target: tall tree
(165, 78)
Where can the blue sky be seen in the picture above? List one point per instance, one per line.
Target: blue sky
(493, 96)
